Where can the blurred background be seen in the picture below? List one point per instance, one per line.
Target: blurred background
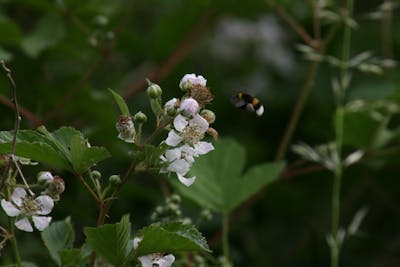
(64, 55)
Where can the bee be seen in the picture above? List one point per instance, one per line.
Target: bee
(245, 101)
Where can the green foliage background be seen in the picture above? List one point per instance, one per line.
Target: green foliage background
(66, 54)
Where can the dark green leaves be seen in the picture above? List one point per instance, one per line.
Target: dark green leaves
(170, 237)
(221, 185)
(113, 241)
(110, 240)
(59, 236)
(65, 148)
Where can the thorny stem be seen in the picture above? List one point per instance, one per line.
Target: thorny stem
(339, 115)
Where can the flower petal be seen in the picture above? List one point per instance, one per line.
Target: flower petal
(18, 195)
(24, 225)
(200, 121)
(173, 154)
(146, 261)
(203, 147)
(180, 123)
(180, 166)
(173, 138)
(186, 181)
(46, 204)
(9, 208)
(165, 261)
(41, 222)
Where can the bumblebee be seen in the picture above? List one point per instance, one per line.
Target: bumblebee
(245, 101)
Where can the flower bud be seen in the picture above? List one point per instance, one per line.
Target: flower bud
(114, 180)
(96, 174)
(45, 177)
(189, 107)
(154, 90)
(126, 129)
(140, 117)
(208, 115)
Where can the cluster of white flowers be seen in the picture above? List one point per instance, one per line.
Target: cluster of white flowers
(27, 208)
(189, 128)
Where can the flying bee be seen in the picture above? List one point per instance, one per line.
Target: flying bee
(245, 101)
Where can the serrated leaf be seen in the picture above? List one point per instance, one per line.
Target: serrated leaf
(82, 156)
(57, 237)
(74, 258)
(220, 184)
(170, 237)
(37, 151)
(110, 240)
(123, 107)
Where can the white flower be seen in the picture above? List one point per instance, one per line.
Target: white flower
(27, 208)
(190, 80)
(154, 259)
(190, 131)
(180, 160)
(189, 107)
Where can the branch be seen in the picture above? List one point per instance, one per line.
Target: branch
(176, 56)
(17, 120)
(34, 119)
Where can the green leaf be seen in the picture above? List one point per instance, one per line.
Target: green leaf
(74, 257)
(220, 184)
(57, 237)
(37, 151)
(110, 240)
(82, 156)
(170, 237)
(48, 31)
(123, 107)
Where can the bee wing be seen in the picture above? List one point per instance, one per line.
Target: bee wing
(237, 102)
(250, 107)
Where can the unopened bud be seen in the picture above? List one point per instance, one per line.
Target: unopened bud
(126, 129)
(208, 115)
(96, 174)
(154, 90)
(189, 80)
(45, 177)
(114, 180)
(189, 107)
(140, 117)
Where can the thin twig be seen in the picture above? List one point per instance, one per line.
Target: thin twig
(294, 24)
(176, 56)
(24, 112)
(17, 120)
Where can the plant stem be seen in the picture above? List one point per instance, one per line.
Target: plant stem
(225, 233)
(14, 242)
(339, 116)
